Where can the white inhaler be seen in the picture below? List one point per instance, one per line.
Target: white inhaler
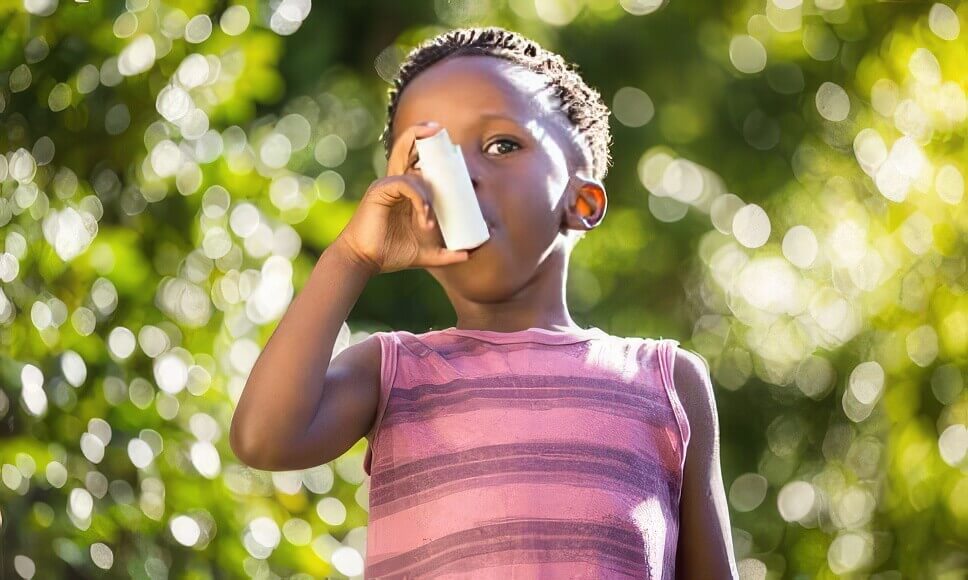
(453, 199)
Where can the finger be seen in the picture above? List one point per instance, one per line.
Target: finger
(414, 190)
(404, 150)
(411, 187)
(445, 257)
(405, 146)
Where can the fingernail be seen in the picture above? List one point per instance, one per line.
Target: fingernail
(433, 124)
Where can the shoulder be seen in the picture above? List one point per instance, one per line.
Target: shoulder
(691, 367)
(361, 357)
(693, 383)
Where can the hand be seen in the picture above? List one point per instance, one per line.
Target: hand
(394, 227)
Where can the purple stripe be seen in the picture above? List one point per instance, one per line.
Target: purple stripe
(520, 541)
(580, 464)
(624, 492)
(423, 402)
(455, 348)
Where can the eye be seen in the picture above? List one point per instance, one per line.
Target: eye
(504, 140)
(416, 160)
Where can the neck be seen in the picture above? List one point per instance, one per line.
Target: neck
(538, 303)
(517, 326)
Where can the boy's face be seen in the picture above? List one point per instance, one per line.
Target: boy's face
(519, 166)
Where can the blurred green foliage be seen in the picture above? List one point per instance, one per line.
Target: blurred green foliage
(787, 198)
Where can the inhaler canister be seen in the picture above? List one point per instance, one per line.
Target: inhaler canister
(453, 199)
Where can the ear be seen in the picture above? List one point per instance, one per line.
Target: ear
(585, 203)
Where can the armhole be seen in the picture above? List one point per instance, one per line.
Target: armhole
(388, 370)
(667, 357)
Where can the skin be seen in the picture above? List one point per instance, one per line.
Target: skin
(528, 189)
(705, 538)
(529, 193)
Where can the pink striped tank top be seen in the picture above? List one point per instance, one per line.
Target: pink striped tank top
(526, 454)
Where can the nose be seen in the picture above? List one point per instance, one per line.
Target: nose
(471, 161)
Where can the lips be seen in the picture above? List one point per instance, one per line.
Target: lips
(490, 231)
(473, 251)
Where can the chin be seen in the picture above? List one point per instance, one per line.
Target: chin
(486, 248)
(485, 277)
(485, 288)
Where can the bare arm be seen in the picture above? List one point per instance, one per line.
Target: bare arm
(279, 422)
(298, 409)
(705, 537)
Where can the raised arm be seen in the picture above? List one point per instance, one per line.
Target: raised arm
(281, 421)
(297, 410)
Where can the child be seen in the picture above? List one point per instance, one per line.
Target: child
(516, 444)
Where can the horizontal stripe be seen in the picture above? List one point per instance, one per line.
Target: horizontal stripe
(582, 465)
(520, 541)
(423, 402)
(528, 570)
(457, 348)
(407, 442)
(527, 499)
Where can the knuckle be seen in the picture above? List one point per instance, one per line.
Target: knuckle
(389, 181)
(413, 184)
(400, 184)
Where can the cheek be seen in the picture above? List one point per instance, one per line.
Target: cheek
(530, 228)
(532, 194)
(529, 204)
(522, 203)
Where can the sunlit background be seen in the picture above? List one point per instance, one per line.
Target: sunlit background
(786, 198)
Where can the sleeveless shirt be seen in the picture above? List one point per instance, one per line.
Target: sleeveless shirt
(526, 454)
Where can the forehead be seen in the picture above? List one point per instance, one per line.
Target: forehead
(463, 87)
(460, 90)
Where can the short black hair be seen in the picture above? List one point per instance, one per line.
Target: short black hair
(582, 104)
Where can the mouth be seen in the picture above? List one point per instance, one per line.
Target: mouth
(490, 231)
(473, 251)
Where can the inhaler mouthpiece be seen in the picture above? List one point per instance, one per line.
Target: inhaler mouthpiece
(452, 193)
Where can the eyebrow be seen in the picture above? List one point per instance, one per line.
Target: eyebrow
(489, 116)
(499, 116)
